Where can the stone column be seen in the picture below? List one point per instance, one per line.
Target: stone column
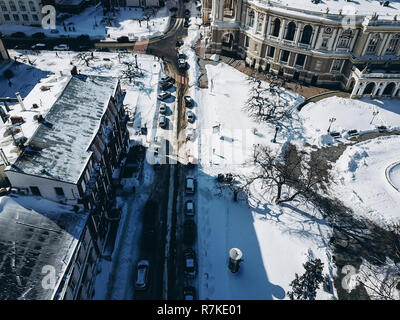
(238, 11)
(268, 31)
(298, 31)
(314, 37)
(282, 30)
(353, 41)
(382, 45)
(366, 44)
(221, 9)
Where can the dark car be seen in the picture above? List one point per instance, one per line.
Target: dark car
(186, 24)
(187, 13)
(188, 101)
(190, 116)
(142, 274)
(182, 64)
(167, 79)
(179, 43)
(163, 95)
(163, 108)
(123, 39)
(189, 232)
(189, 293)
(38, 35)
(180, 55)
(164, 85)
(162, 122)
(190, 263)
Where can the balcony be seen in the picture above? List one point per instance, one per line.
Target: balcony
(304, 45)
(288, 42)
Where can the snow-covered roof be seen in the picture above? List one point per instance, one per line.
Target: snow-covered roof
(359, 7)
(46, 234)
(75, 117)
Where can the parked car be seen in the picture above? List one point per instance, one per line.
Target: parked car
(142, 274)
(179, 43)
(189, 293)
(188, 101)
(189, 185)
(54, 31)
(189, 232)
(39, 46)
(163, 95)
(123, 39)
(180, 55)
(38, 35)
(162, 122)
(182, 64)
(186, 24)
(163, 108)
(187, 13)
(61, 47)
(164, 85)
(190, 263)
(189, 208)
(190, 116)
(167, 79)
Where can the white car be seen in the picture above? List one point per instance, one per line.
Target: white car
(38, 46)
(61, 47)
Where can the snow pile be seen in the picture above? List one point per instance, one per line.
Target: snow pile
(361, 171)
(214, 57)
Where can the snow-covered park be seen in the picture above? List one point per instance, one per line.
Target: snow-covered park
(126, 21)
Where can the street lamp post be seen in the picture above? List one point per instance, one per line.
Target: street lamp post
(276, 133)
(331, 120)
(374, 114)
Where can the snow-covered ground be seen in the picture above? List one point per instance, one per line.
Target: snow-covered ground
(393, 173)
(363, 183)
(364, 115)
(92, 22)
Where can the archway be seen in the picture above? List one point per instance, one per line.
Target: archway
(389, 89)
(369, 89)
(227, 41)
(277, 27)
(307, 33)
(291, 30)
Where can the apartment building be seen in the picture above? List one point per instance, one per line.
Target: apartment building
(354, 45)
(23, 12)
(71, 157)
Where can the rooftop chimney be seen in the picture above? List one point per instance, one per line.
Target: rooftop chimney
(20, 101)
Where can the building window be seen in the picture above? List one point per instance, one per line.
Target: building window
(246, 41)
(21, 6)
(336, 65)
(324, 43)
(16, 17)
(25, 17)
(35, 191)
(318, 65)
(12, 6)
(250, 21)
(291, 30)
(271, 52)
(7, 17)
(301, 58)
(59, 192)
(260, 23)
(256, 48)
(35, 17)
(285, 56)
(277, 27)
(393, 45)
(372, 45)
(32, 6)
(307, 34)
(3, 6)
(345, 39)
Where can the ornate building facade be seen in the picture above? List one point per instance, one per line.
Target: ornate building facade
(352, 45)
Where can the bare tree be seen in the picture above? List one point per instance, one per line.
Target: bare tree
(85, 57)
(287, 175)
(130, 72)
(264, 102)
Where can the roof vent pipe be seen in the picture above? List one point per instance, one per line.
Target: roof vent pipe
(20, 101)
